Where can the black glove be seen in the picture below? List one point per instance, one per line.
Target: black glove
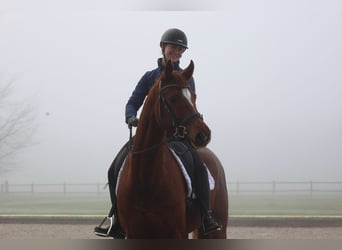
(132, 121)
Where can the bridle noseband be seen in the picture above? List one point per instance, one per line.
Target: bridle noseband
(180, 128)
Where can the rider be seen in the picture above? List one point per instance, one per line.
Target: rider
(173, 44)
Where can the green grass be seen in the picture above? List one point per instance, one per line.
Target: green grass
(284, 204)
(42, 204)
(239, 205)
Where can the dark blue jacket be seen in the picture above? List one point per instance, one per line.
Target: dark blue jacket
(144, 85)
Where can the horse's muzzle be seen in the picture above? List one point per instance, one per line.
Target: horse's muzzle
(202, 139)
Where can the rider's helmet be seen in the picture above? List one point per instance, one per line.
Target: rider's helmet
(174, 36)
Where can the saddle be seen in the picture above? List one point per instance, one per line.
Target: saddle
(187, 165)
(184, 159)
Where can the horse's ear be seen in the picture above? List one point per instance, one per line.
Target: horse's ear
(168, 70)
(187, 73)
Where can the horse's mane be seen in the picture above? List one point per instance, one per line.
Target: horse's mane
(173, 76)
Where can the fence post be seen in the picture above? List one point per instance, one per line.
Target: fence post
(311, 187)
(32, 188)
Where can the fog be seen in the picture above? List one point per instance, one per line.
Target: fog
(268, 78)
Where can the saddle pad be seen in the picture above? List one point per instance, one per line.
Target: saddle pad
(187, 177)
(185, 174)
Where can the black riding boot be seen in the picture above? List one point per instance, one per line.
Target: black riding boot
(209, 224)
(110, 225)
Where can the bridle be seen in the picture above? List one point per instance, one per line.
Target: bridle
(180, 128)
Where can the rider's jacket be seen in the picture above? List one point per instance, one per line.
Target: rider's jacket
(144, 85)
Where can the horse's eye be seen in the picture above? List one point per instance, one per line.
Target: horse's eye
(173, 98)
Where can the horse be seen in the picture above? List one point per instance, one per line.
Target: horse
(151, 193)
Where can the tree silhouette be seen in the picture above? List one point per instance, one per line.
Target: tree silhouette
(17, 126)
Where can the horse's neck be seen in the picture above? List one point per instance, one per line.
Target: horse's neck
(149, 140)
(149, 134)
(147, 153)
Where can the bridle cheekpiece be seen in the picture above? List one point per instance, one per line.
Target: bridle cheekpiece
(180, 126)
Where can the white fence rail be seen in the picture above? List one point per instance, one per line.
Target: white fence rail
(61, 188)
(271, 187)
(276, 187)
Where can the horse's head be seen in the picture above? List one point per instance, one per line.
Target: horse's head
(177, 111)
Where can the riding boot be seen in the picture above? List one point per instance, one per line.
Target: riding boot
(209, 224)
(110, 225)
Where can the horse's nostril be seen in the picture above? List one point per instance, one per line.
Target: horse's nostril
(201, 138)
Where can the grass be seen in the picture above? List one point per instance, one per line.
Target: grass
(43, 204)
(285, 204)
(239, 205)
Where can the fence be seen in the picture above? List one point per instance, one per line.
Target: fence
(272, 187)
(277, 187)
(58, 188)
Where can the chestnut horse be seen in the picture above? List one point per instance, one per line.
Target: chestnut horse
(151, 193)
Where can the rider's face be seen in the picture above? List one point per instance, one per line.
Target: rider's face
(173, 52)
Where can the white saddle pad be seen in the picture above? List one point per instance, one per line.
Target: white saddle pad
(185, 174)
(187, 177)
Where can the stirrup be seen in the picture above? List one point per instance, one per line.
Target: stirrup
(211, 229)
(105, 231)
(213, 226)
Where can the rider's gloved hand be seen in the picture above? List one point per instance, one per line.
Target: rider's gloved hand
(132, 121)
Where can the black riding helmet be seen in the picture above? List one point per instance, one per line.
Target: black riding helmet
(174, 36)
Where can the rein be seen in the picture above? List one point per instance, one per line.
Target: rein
(155, 146)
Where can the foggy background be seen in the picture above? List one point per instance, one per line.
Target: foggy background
(268, 78)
